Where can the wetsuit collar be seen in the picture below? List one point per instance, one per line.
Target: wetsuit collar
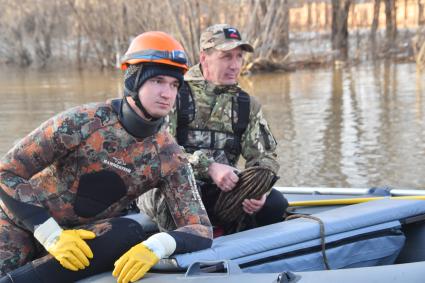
(132, 122)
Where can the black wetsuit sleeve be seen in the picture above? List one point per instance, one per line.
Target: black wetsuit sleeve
(186, 243)
(29, 215)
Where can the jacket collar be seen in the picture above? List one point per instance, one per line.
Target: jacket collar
(194, 75)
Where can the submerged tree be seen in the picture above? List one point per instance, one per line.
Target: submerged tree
(268, 29)
(390, 15)
(98, 32)
(375, 22)
(421, 19)
(339, 36)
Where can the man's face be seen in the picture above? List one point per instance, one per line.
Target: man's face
(222, 67)
(158, 94)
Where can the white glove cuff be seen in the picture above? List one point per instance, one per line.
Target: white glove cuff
(161, 244)
(48, 232)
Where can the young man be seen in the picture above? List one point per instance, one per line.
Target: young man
(64, 186)
(217, 122)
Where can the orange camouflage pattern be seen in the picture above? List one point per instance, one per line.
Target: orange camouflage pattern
(45, 169)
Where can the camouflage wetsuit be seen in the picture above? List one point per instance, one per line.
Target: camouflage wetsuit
(213, 121)
(82, 167)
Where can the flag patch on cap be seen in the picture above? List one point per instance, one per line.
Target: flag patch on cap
(231, 33)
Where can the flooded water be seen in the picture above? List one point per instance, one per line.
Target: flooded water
(359, 126)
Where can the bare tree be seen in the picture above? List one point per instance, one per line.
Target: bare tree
(375, 22)
(339, 36)
(16, 25)
(269, 26)
(390, 15)
(98, 32)
(421, 19)
(45, 15)
(187, 22)
(281, 44)
(418, 41)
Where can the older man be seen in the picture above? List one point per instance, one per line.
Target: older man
(217, 122)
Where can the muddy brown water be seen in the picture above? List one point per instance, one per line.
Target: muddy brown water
(358, 126)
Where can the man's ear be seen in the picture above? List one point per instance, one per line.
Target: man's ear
(204, 64)
(203, 58)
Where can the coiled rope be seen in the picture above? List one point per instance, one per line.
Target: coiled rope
(253, 183)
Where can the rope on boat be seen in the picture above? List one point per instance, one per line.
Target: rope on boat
(253, 183)
(322, 235)
(345, 201)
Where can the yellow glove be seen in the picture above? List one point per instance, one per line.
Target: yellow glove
(133, 265)
(67, 246)
(71, 250)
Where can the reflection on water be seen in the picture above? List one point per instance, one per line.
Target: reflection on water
(358, 126)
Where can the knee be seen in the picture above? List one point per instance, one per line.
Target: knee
(274, 209)
(276, 201)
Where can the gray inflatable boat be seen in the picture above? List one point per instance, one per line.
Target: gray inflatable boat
(382, 240)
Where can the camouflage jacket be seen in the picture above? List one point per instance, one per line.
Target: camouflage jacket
(82, 165)
(213, 112)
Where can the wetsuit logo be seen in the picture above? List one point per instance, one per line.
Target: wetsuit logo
(118, 164)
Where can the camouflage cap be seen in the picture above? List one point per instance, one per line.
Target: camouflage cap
(223, 37)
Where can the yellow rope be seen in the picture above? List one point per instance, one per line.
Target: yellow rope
(323, 202)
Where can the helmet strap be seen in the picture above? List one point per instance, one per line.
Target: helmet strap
(143, 109)
(135, 95)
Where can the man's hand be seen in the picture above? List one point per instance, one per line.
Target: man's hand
(71, 250)
(251, 206)
(133, 265)
(138, 260)
(223, 176)
(66, 246)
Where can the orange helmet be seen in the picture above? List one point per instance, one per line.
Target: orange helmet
(156, 47)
